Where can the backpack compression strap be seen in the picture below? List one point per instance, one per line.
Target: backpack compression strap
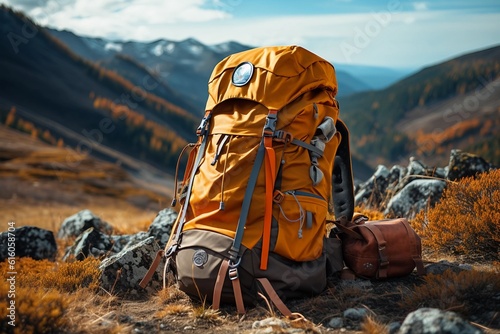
(342, 178)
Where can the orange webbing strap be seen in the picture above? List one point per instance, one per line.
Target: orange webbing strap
(275, 299)
(238, 297)
(149, 275)
(219, 283)
(270, 170)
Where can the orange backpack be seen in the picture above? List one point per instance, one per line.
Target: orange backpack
(258, 184)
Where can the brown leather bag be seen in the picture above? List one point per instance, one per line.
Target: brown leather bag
(380, 249)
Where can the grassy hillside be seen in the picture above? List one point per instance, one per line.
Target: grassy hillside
(47, 87)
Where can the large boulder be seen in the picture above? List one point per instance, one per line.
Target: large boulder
(414, 197)
(122, 272)
(371, 192)
(75, 225)
(435, 321)
(161, 228)
(28, 241)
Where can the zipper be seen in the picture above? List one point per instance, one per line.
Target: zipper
(303, 193)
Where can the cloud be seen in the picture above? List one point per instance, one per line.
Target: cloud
(419, 6)
(394, 35)
(93, 16)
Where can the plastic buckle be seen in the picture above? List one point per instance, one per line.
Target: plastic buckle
(172, 249)
(278, 197)
(202, 128)
(283, 136)
(233, 273)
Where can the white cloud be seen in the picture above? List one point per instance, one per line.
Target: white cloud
(391, 37)
(419, 6)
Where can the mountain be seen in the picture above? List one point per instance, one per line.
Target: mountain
(185, 66)
(55, 94)
(182, 67)
(454, 104)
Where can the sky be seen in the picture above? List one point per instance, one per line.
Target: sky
(388, 33)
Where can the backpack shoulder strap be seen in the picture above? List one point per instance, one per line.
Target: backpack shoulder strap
(342, 178)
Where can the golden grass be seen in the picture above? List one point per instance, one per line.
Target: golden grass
(466, 222)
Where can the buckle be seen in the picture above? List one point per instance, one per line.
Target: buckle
(172, 249)
(233, 273)
(283, 136)
(278, 197)
(202, 128)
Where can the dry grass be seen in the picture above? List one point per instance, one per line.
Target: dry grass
(466, 222)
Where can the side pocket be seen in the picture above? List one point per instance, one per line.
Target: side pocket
(301, 227)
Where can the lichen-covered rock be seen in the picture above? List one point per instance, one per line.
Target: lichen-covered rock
(463, 164)
(435, 321)
(371, 192)
(120, 242)
(161, 227)
(28, 241)
(75, 225)
(415, 197)
(91, 242)
(122, 272)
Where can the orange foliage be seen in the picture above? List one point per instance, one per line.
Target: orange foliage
(467, 219)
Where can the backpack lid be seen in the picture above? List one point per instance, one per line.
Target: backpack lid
(278, 76)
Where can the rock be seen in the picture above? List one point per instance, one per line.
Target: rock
(393, 327)
(75, 225)
(91, 242)
(121, 242)
(464, 164)
(371, 192)
(336, 323)
(274, 325)
(122, 272)
(440, 267)
(28, 241)
(414, 197)
(355, 314)
(435, 321)
(161, 228)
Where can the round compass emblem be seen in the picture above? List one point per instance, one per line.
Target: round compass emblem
(242, 74)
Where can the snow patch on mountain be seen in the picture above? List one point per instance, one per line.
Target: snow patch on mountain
(111, 46)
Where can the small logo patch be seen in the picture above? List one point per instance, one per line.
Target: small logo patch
(200, 257)
(242, 74)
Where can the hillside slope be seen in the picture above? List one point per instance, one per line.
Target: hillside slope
(385, 123)
(54, 94)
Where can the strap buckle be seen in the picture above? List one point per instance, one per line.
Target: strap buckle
(202, 128)
(283, 136)
(270, 125)
(171, 250)
(233, 273)
(233, 269)
(278, 197)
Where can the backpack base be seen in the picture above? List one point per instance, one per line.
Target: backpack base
(202, 253)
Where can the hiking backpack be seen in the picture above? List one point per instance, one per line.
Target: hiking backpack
(258, 184)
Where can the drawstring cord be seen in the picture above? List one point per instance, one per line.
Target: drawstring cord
(301, 218)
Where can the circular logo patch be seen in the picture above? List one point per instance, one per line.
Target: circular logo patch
(242, 74)
(200, 257)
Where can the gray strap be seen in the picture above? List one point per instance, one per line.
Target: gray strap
(307, 146)
(182, 219)
(245, 207)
